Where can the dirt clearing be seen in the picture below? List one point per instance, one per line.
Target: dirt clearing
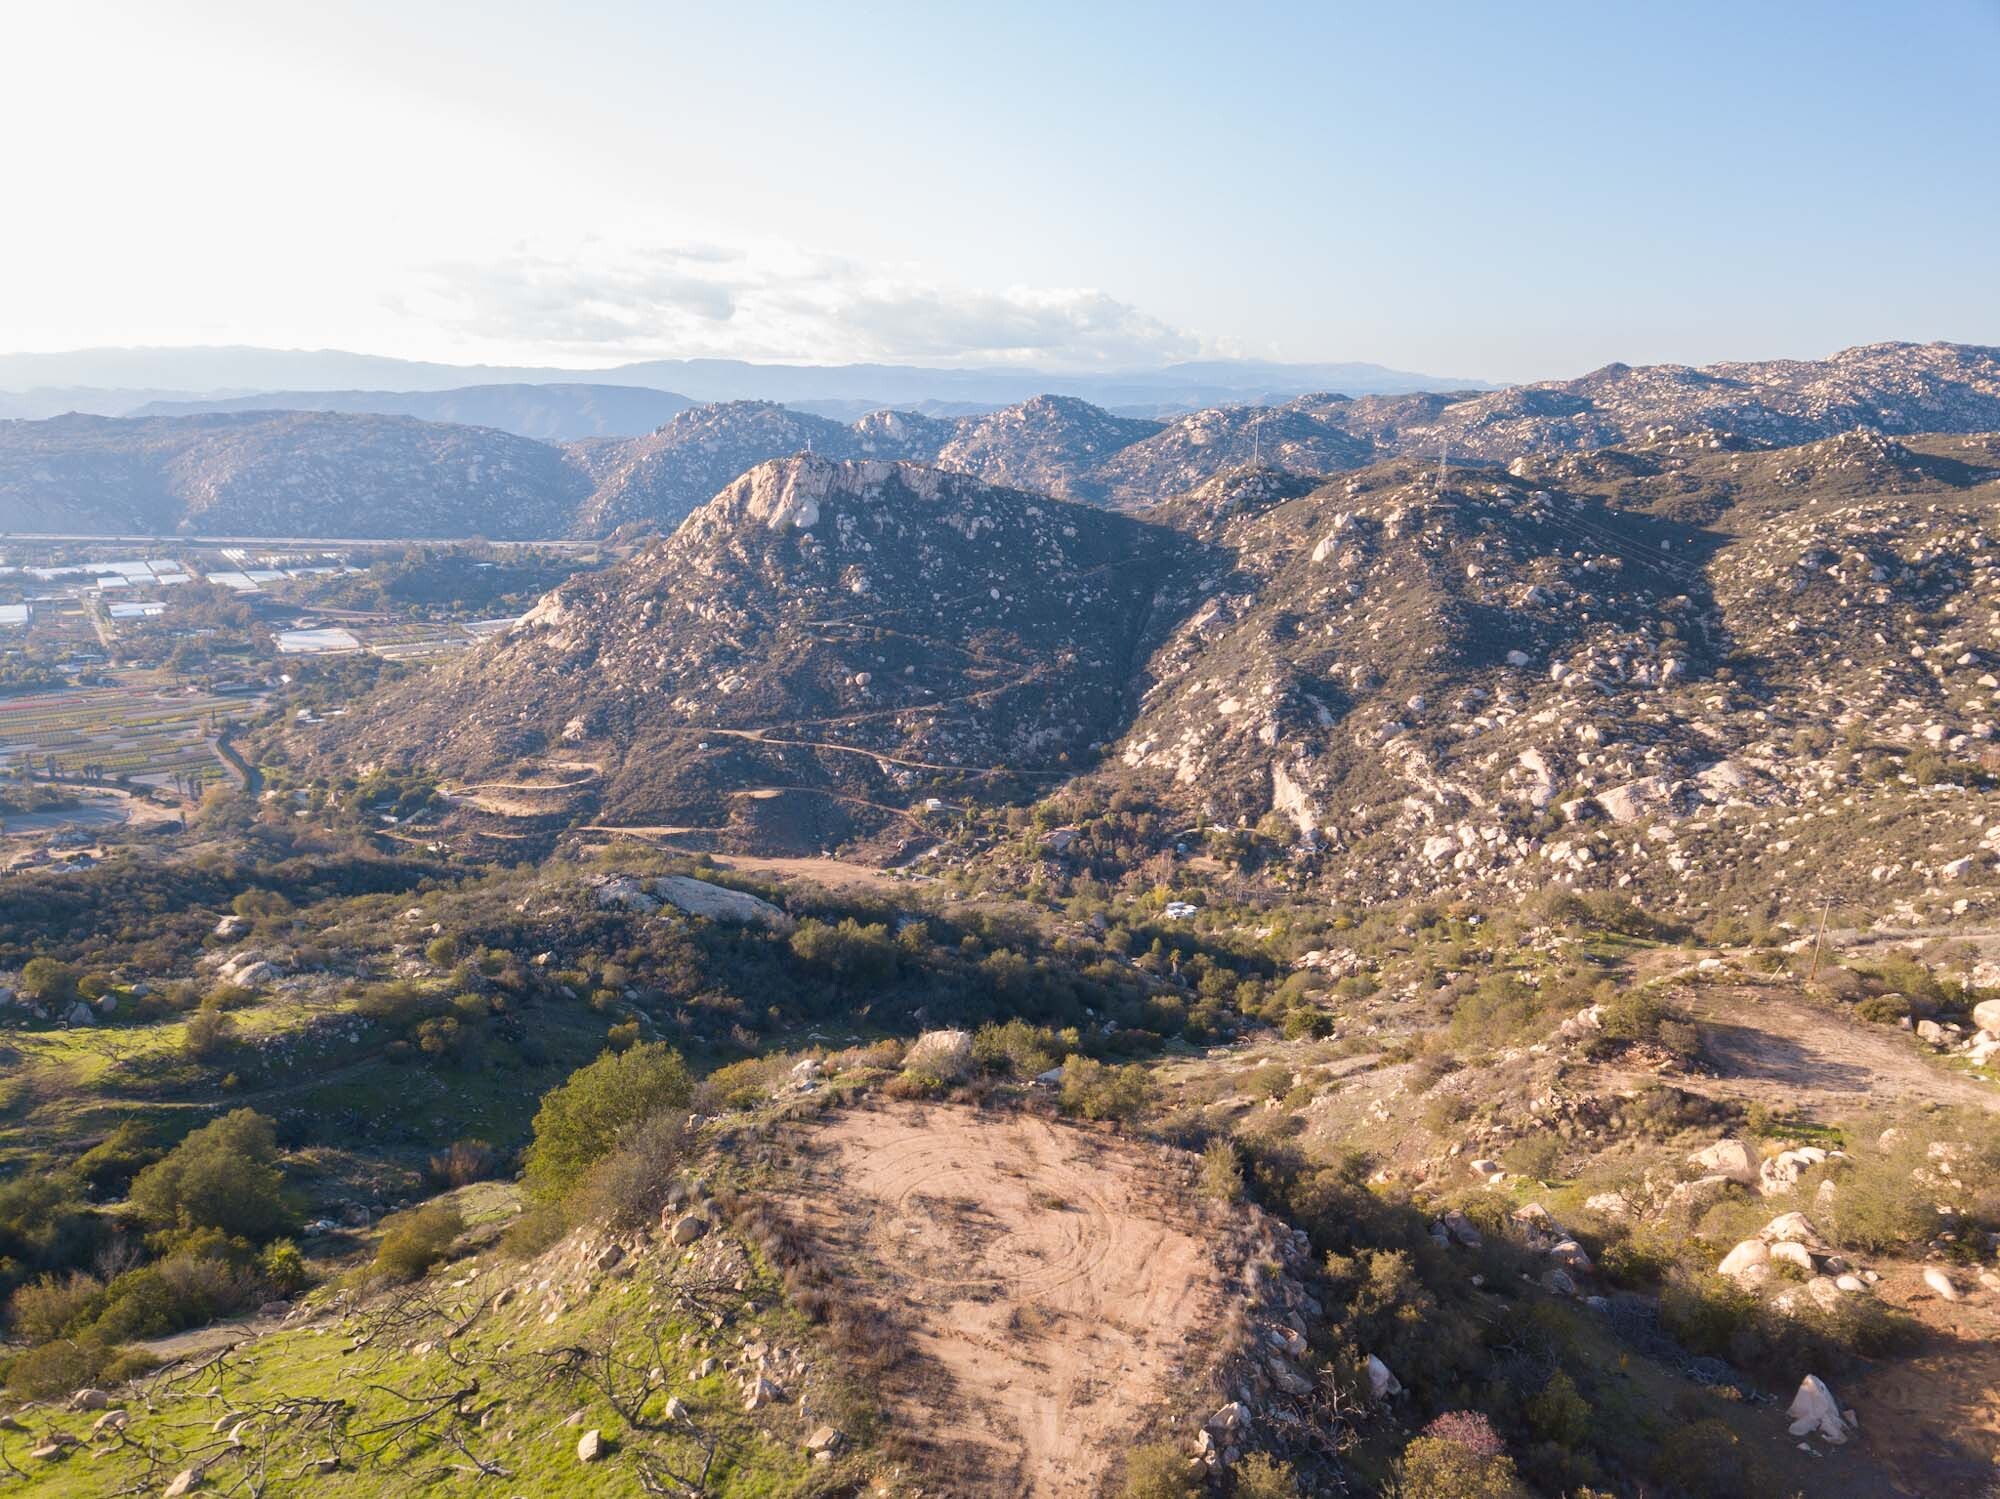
(1053, 1288)
(1766, 1047)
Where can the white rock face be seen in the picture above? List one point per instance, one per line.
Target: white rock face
(1814, 1410)
(717, 903)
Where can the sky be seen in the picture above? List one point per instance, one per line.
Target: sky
(1465, 189)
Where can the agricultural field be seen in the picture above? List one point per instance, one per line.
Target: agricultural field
(137, 727)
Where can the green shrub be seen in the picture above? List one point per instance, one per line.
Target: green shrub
(53, 1305)
(71, 1363)
(1457, 1456)
(109, 1166)
(223, 1176)
(1159, 1470)
(1097, 1091)
(1221, 1172)
(1883, 1009)
(1018, 1049)
(1538, 1157)
(1559, 1413)
(414, 1241)
(1260, 1476)
(582, 1120)
(284, 1267)
(208, 1036)
(629, 1187)
(47, 981)
(188, 1288)
(1705, 1459)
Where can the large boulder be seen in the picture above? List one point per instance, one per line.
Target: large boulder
(1728, 1158)
(1814, 1409)
(1748, 1263)
(1791, 1252)
(1792, 1228)
(717, 902)
(1381, 1383)
(590, 1446)
(1986, 1015)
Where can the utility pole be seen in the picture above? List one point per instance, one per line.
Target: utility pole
(1818, 937)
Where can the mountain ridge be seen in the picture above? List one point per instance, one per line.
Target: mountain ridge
(1052, 443)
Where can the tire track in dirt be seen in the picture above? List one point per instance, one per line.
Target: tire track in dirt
(1051, 1290)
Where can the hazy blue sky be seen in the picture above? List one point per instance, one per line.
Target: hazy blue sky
(1495, 190)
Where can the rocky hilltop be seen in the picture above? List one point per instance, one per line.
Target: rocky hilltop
(1607, 668)
(868, 630)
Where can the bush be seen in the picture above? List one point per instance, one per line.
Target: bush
(1096, 1091)
(1457, 1456)
(209, 1034)
(69, 1364)
(581, 1121)
(223, 1176)
(1559, 1413)
(414, 1241)
(1538, 1157)
(628, 1188)
(1260, 1476)
(192, 1286)
(47, 981)
(44, 1311)
(1017, 1049)
(1707, 1460)
(284, 1267)
(1221, 1172)
(1883, 1009)
(463, 1162)
(109, 1166)
(1159, 1470)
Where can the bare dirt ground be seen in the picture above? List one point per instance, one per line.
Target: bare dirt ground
(1052, 1287)
(1766, 1046)
(1934, 1418)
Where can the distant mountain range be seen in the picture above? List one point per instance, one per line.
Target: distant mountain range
(548, 413)
(117, 382)
(339, 473)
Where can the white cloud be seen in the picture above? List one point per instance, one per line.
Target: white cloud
(776, 302)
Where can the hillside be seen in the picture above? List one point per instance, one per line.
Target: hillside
(1622, 668)
(839, 632)
(281, 474)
